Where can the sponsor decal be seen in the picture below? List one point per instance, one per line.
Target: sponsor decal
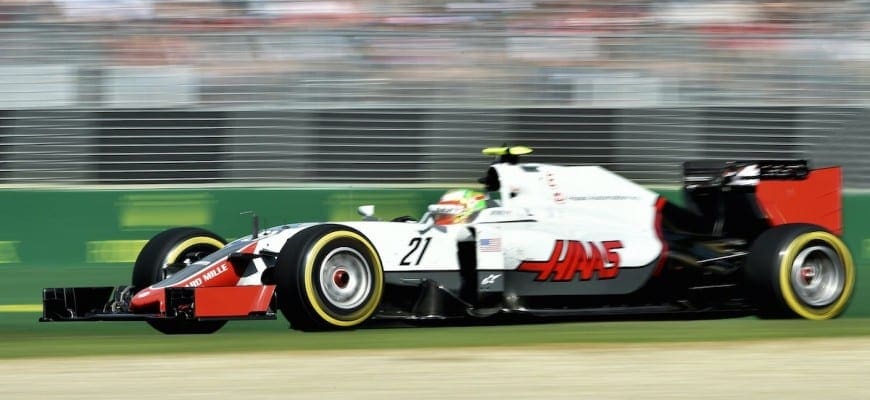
(605, 198)
(489, 280)
(571, 258)
(208, 275)
(558, 196)
(865, 249)
(147, 211)
(749, 175)
(551, 180)
(489, 245)
(448, 209)
(500, 213)
(9, 252)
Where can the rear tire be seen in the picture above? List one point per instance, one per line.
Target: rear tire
(799, 270)
(168, 249)
(328, 277)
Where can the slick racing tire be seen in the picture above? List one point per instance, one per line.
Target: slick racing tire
(799, 270)
(165, 254)
(328, 277)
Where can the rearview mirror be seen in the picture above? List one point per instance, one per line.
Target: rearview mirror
(367, 212)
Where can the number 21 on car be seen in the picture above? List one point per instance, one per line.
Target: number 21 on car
(416, 250)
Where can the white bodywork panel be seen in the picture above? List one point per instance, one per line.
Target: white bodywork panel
(539, 206)
(405, 247)
(586, 203)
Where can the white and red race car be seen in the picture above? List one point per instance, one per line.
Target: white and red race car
(755, 237)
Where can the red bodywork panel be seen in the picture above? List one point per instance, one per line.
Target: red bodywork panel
(232, 301)
(815, 200)
(222, 274)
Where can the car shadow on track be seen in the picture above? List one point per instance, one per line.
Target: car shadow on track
(512, 319)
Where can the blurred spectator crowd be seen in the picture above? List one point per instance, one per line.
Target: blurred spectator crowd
(551, 15)
(504, 52)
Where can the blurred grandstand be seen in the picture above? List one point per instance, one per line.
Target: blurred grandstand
(407, 91)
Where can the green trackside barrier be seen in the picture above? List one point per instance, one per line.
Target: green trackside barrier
(92, 237)
(76, 227)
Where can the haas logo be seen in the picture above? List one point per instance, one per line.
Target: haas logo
(602, 260)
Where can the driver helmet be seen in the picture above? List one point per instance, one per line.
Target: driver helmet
(458, 206)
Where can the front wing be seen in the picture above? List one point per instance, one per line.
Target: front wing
(203, 303)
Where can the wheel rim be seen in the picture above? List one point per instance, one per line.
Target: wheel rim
(345, 278)
(818, 276)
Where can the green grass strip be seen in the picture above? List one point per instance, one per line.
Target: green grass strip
(27, 339)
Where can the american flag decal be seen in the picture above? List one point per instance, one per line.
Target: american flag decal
(493, 244)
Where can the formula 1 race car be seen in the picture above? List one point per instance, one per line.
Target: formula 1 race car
(754, 237)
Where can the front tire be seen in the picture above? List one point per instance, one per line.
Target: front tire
(163, 255)
(328, 277)
(799, 270)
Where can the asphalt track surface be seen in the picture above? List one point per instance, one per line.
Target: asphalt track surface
(793, 369)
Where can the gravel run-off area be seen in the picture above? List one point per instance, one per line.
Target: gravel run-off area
(781, 369)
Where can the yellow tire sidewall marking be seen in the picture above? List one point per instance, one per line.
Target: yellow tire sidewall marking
(377, 280)
(785, 266)
(176, 251)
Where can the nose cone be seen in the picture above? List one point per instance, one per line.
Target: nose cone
(149, 300)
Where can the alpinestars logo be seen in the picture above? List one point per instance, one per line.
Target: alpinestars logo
(489, 280)
(601, 260)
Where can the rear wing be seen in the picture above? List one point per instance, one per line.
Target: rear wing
(770, 192)
(705, 173)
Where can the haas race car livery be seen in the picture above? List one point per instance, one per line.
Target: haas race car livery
(751, 237)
